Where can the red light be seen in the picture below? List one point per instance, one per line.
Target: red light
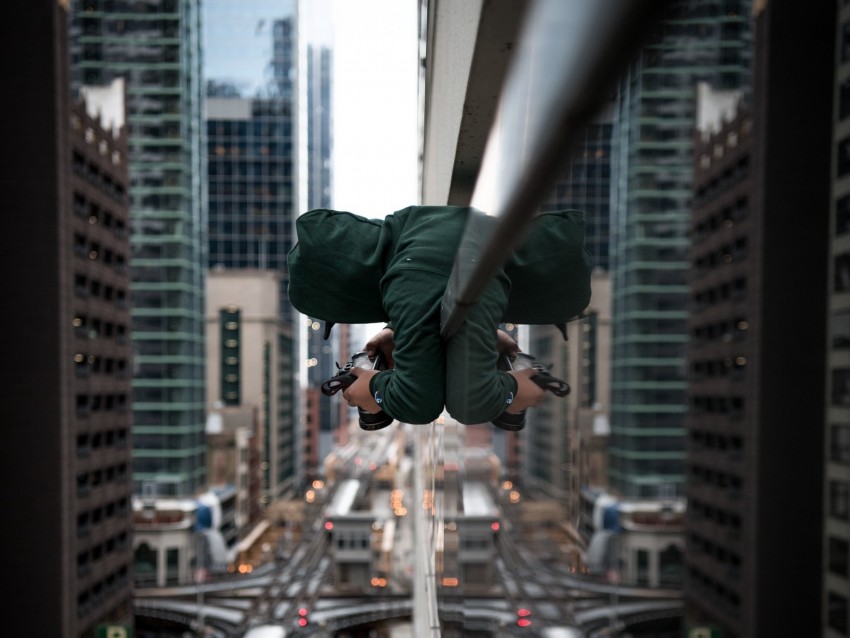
(523, 622)
(495, 526)
(302, 622)
(523, 612)
(329, 526)
(302, 611)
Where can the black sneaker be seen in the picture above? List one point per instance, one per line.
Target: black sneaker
(542, 377)
(368, 420)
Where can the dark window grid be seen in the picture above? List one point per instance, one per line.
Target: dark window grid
(839, 500)
(839, 444)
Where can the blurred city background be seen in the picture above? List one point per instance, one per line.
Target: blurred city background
(170, 465)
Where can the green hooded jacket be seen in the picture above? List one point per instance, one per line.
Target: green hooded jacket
(346, 268)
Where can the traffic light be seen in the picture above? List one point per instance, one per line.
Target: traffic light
(302, 617)
(523, 617)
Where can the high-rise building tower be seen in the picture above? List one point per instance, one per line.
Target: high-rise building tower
(251, 78)
(247, 368)
(758, 289)
(155, 45)
(651, 192)
(836, 488)
(586, 186)
(250, 52)
(322, 354)
(552, 442)
(65, 453)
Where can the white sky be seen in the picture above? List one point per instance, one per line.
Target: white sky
(375, 139)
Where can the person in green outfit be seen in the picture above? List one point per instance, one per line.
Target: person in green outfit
(346, 268)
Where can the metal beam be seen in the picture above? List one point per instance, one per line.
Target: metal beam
(571, 53)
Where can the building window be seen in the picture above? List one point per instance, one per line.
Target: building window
(841, 330)
(841, 387)
(844, 99)
(842, 215)
(642, 565)
(839, 560)
(841, 281)
(172, 565)
(837, 613)
(590, 333)
(230, 329)
(839, 500)
(845, 42)
(839, 444)
(843, 157)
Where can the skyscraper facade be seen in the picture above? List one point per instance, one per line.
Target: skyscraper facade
(251, 52)
(65, 453)
(651, 181)
(755, 365)
(836, 528)
(586, 186)
(321, 353)
(155, 45)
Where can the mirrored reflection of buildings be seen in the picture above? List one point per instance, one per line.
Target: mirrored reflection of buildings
(250, 74)
(720, 242)
(650, 206)
(565, 448)
(66, 450)
(159, 56)
(755, 443)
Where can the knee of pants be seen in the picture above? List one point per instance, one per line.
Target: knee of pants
(470, 409)
(421, 410)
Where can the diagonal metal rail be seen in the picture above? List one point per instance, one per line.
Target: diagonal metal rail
(571, 53)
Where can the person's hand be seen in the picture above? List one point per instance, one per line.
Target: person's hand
(506, 344)
(358, 393)
(383, 342)
(528, 394)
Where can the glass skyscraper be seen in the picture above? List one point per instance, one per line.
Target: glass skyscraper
(702, 40)
(585, 186)
(251, 70)
(321, 353)
(156, 46)
(250, 67)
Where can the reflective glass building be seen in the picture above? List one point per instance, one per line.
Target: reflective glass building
(251, 71)
(702, 40)
(156, 46)
(549, 464)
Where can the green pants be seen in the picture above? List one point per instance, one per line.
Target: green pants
(430, 373)
(349, 269)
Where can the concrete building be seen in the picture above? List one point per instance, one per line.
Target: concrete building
(66, 412)
(755, 450)
(183, 541)
(249, 366)
(234, 454)
(253, 142)
(651, 178)
(158, 53)
(836, 489)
